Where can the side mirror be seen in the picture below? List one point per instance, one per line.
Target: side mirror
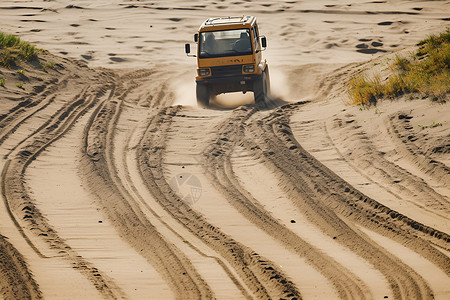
(264, 42)
(187, 49)
(196, 37)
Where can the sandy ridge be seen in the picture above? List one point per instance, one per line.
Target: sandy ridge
(218, 167)
(29, 212)
(22, 204)
(358, 199)
(414, 284)
(11, 121)
(260, 275)
(16, 281)
(401, 129)
(414, 188)
(124, 213)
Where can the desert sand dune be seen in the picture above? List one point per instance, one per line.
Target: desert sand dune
(115, 185)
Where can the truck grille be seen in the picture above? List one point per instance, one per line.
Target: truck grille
(226, 71)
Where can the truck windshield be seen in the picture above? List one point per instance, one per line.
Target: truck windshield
(225, 43)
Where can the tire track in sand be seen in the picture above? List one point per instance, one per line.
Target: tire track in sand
(254, 176)
(260, 275)
(331, 204)
(401, 130)
(360, 153)
(16, 281)
(27, 217)
(220, 171)
(122, 209)
(34, 102)
(216, 271)
(185, 142)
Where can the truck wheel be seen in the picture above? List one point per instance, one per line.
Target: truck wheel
(202, 95)
(261, 87)
(267, 82)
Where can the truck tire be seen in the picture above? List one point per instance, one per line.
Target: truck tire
(261, 87)
(267, 81)
(202, 95)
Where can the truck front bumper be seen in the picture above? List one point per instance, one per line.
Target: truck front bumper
(240, 83)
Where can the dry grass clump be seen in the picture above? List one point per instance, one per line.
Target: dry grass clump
(363, 91)
(426, 72)
(13, 49)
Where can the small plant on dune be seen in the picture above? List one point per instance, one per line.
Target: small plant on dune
(19, 85)
(401, 63)
(433, 42)
(2, 82)
(363, 91)
(50, 65)
(395, 86)
(7, 58)
(378, 112)
(13, 49)
(430, 126)
(426, 72)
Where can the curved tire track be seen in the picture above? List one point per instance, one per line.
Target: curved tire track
(218, 167)
(331, 202)
(16, 281)
(260, 275)
(23, 210)
(335, 206)
(125, 214)
(401, 129)
(359, 152)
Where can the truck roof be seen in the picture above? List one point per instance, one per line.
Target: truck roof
(227, 23)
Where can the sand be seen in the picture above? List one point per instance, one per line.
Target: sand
(116, 185)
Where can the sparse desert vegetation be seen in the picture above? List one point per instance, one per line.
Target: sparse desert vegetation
(50, 65)
(427, 72)
(13, 49)
(115, 184)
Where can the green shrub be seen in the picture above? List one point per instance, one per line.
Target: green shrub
(395, 86)
(433, 42)
(8, 40)
(13, 49)
(427, 72)
(7, 58)
(363, 91)
(401, 64)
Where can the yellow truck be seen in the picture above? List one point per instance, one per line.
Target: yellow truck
(229, 59)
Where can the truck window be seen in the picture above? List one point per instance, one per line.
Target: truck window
(225, 43)
(256, 38)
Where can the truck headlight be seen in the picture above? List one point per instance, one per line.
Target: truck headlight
(249, 68)
(203, 72)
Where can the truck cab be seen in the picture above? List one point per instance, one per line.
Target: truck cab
(229, 59)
